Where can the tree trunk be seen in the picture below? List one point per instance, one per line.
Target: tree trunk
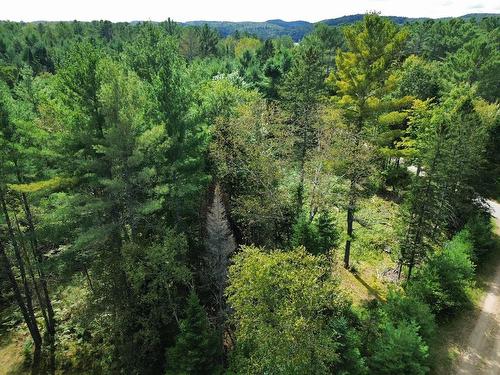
(350, 221)
(39, 260)
(411, 265)
(347, 253)
(400, 268)
(300, 190)
(89, 280)
(20, 262)
(350, 229)
(32, 327)
(32, 273)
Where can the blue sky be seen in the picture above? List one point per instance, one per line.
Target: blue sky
(227, 10)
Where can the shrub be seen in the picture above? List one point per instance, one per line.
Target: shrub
(442, 281)
(350, 360)
(304, 233)
(401, 308)
(481, 234)
(318, 236)
(399, 350)
(327, 232)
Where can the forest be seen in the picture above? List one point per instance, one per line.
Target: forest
(176, 201)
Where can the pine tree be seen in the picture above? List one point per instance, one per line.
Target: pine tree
(301, 90)
(362, 78)
(196, 344)
(328, 235)
(176, 145)
(220, 244)
(305, 233)
(208, 40)
(448, 142)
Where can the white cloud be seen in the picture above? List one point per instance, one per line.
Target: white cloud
(233, 10)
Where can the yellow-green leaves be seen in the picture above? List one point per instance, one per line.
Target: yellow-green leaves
(364, 71)
(285, 305)
(51, 184)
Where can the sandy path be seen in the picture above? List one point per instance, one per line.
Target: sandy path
(483, 350)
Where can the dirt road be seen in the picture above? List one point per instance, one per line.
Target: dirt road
(483, 352)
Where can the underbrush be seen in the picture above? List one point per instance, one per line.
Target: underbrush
(448, 346)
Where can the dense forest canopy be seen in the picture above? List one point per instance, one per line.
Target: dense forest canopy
(184, 199)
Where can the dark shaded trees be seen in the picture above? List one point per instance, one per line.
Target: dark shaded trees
(196, 347)
(302, 89)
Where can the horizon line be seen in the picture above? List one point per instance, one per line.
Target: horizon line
(249, 21)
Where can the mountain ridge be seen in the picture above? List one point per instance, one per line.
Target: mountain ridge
(298, 29)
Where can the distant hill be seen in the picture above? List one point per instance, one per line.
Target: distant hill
(298, 29)
(268, 29)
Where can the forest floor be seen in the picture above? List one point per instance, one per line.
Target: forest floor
(11, 358)
(371, 255)
(12, 340)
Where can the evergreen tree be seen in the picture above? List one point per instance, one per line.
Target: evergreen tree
(328, 235)
(302, 88)
(196, 344)
(220, 245)
(448, 144)
(362, 78)
(208, 41)
(400, 350)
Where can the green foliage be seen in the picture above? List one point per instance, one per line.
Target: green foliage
(399, 350)
(363, 73)
(442, 282)
(154, 275)
(448, 142)
(317, 236)
(112, 133)
(292, 335)
(480, 228)
(419, 79)
(301, 89)
(33, 187)
(328, 235)
(195, 350)
(478, 61)
(434, 40)
(401, 308)
(305, 233)
(250, 154)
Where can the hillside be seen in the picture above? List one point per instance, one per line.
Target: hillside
(298, 29)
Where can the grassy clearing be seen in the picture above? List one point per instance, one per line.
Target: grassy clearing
(372, 251)
(363, 285)
(13, 336)
(68, 304)
(11, 353)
